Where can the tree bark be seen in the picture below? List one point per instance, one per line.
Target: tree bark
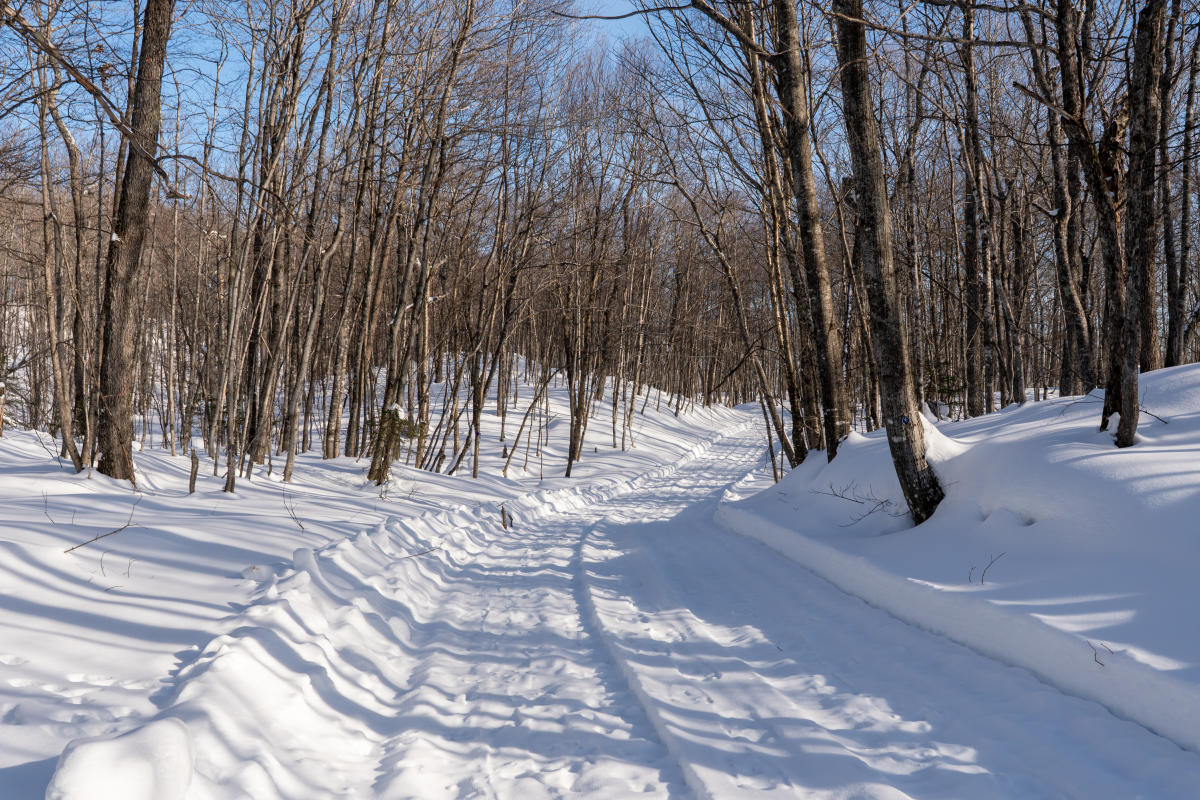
(1141, 219)
(901, 417)
(978, 316)
(118, 316)
(793, 94)
(1177, 293)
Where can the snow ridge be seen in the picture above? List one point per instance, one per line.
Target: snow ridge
(1128, 689)
(337, 654)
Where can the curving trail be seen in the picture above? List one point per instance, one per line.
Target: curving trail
(617, 643)
(767, 681)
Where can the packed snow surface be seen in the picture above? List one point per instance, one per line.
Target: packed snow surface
(655, 627)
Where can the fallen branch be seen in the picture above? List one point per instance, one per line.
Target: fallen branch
(851, 492)
(128, 524)
(414, 555)
(1143, 410)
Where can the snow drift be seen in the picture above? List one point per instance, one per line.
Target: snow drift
(1053, 550)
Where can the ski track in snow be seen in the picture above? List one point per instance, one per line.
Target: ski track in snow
(618, 643)
(435, 656)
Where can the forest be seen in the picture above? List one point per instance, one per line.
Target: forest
(247, 230)
(599, 399)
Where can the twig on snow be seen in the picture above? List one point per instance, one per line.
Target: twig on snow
(851, 492)
(291, 509)
(423, 552)
(983, 575)
(128, 524)
(46, 508)
(1143, 410)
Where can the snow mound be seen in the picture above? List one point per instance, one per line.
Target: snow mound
(1053, 550)
(153, 762)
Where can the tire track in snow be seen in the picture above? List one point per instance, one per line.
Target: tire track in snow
(439, 640)
(767, 681)
(497, 592)
(735, 466)
(512, 700)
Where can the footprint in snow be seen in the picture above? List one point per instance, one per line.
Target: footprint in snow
(95, 680)
(685, 691)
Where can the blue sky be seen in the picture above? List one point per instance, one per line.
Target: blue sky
(634, 26)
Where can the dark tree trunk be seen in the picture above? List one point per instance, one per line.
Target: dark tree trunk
(1077, 375)
(1177, 289)
(905, 429)
(976, 278)
(1152, 356)
(793, 94)
(1141, 219)
(118, 316)
(1101, 169)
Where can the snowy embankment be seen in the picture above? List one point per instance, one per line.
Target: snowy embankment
(95, 641)
(1052, 551)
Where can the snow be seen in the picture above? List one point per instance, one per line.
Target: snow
(1092, 549)
(669, 623)
(153, 762)
(94, 642)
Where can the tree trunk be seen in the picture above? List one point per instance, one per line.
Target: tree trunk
(905, 429)
(118, 316)
(1141, 219)
(793, 94)
(1177, 293)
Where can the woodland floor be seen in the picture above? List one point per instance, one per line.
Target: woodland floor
(615, 640)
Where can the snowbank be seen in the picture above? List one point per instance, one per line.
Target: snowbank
(1052, 551)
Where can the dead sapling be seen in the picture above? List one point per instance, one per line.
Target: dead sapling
(291, 510)
(994, 559)
(983, 575)
(46, 508)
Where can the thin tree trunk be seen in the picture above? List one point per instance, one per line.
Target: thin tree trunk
(1141, 220)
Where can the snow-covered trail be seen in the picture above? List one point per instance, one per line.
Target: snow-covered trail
(519, 694)
(766, 681)
(439, 656)
(617, 643)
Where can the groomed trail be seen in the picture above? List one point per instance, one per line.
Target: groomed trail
(614, 642)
